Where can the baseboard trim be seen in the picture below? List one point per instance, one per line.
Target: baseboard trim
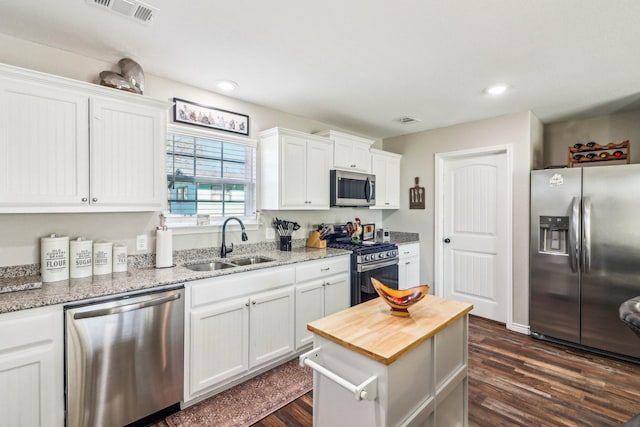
(519, 328)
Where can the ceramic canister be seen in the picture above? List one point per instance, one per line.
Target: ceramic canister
(54, 258)
(119, 258)
(81, 258)
(102, 258)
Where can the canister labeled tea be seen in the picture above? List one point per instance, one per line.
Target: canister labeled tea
(119, 258)
(102, 258)
(81, 258)
(54, 258)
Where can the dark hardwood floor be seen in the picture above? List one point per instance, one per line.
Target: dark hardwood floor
(515, 380)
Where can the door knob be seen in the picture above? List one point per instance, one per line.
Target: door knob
(447, 240)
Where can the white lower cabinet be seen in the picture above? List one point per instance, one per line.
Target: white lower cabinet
(271, 325)
(32, 368)
(408, 265)
(322, 288)
(236, 325)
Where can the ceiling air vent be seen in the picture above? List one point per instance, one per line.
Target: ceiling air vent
(132, 9)
(405, 120)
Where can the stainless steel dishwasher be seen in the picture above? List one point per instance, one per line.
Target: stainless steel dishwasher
(124, 358)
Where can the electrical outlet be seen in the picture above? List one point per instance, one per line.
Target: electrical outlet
(141, 242)
(270, 233)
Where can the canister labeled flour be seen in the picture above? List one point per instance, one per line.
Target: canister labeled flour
(102, 258)
(81, 258)
(119, 258)
(54, 258)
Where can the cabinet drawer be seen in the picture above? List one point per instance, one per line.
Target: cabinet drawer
(207, 291)
(321, 268)
(409, 250)
(30, 327)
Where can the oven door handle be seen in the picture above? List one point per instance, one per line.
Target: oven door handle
(374, 266)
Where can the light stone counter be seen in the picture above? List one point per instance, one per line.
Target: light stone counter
(24, 290)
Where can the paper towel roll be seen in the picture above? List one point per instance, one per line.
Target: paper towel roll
(164, 249)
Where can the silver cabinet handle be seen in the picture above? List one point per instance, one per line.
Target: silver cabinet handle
(84, 199)
(586, 234)
(253, 302)
(574, 233)
(95, 199)
(325, 269)
(124, 308)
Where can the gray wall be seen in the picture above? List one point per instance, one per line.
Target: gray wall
(558, 137)
(524, 132)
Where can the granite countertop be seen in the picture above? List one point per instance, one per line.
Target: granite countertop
(369, 329)
(24, 290)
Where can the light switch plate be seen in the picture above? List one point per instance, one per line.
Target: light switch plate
(141, 242)
(270, 233)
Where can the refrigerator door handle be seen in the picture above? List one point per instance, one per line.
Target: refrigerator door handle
(574, 234)
(586, 235)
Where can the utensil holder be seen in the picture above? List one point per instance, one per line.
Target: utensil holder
(285, 243)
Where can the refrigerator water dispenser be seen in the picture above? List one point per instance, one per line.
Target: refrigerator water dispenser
(554, 235)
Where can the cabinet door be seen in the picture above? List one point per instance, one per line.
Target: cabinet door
(318, 170)
(379, 169)
(127, 156)
(44, 148)
(337, 294)
(32, 368)
(310, 303)
(294, 172)
(342, 154)
(271, 325)
(219, 344)
(393, 183)
(361, 157)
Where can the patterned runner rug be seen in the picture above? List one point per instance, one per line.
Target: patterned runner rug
(250, 401)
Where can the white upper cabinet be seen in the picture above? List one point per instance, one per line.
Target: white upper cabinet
(350, 152)
(44, 150)
(294, 170)
(127, 155)
(69, 146)
(386, 167)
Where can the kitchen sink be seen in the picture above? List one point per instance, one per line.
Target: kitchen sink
(251, 260)
(210, 266)
(221, 265)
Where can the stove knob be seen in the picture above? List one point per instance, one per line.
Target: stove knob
(381, 255)
(389, 253)
(367, 257)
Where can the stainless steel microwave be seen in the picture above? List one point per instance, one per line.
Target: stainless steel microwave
(352, 188)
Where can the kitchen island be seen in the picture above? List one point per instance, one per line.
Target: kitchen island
(375, 369)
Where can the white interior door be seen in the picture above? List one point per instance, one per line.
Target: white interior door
(475, 232)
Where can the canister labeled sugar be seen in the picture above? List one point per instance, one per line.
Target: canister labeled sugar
(81, 258)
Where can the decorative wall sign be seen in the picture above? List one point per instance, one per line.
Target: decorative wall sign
(209, 117)
(416, 196)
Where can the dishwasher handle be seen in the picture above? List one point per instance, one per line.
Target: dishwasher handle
(125, 308)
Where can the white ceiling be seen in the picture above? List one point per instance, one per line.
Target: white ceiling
(361, 64)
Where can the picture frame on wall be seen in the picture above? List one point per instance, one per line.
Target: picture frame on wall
(195, 114)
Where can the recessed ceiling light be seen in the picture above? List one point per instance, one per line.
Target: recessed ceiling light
(226, 85)
(497, 89)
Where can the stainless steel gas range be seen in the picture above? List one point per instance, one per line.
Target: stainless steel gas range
(369, 259)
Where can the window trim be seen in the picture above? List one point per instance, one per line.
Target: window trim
(182, 224)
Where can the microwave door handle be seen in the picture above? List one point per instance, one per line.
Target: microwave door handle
(367, 186)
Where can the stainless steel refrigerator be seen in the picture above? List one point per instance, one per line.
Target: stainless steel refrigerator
(585, 255)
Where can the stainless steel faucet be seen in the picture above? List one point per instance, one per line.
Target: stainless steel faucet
(223, 250)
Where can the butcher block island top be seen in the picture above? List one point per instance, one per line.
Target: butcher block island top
(370, 329)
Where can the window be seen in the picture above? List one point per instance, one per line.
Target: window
(209, 174)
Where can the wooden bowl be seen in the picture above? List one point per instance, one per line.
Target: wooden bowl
(400, 300)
